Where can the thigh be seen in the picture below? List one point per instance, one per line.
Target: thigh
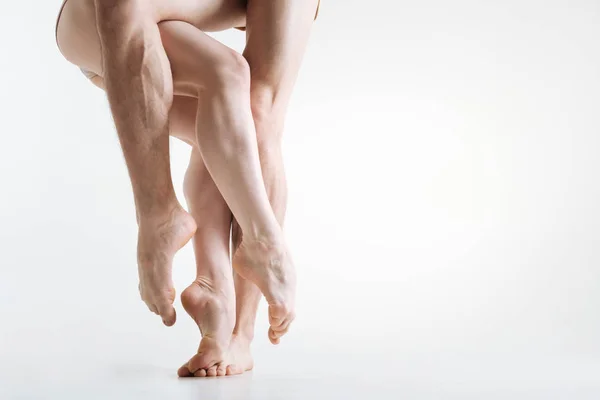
(277, 34)
(77, 34)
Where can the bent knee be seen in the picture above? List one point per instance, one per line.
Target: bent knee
(230, 71)
(116, 15)
(120, 8)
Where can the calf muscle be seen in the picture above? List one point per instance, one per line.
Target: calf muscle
(139, 87)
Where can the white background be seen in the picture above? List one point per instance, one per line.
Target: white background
(444, 190)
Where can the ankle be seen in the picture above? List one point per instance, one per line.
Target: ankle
(266, 240)
(269, 234)
(244, 335)
(157, 210)
(218, 287)
(210, 294)
(159, 214)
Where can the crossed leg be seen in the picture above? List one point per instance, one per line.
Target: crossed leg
(277, 35)
(118, 40)
(274, 52)
(271, 83)
(210, 298)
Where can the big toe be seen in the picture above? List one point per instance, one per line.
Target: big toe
(280, 318)
(184, 371)
(275, 333)
(167, 313)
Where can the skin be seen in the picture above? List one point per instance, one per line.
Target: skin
(231, 112)
(277, 35)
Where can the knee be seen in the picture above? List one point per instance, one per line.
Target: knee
(229, 71)
(113, 16)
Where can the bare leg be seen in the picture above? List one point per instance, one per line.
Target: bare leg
(200, 67)
(138, 83)
(227, 142)
(278, 32)
(209, 300)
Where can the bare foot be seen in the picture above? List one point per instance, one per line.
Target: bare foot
(239, 357)
(268, 265)
(237, 360)
(159, 238)
(214, 312)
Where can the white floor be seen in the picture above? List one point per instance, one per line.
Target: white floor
(444, 192)
(299, 373)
